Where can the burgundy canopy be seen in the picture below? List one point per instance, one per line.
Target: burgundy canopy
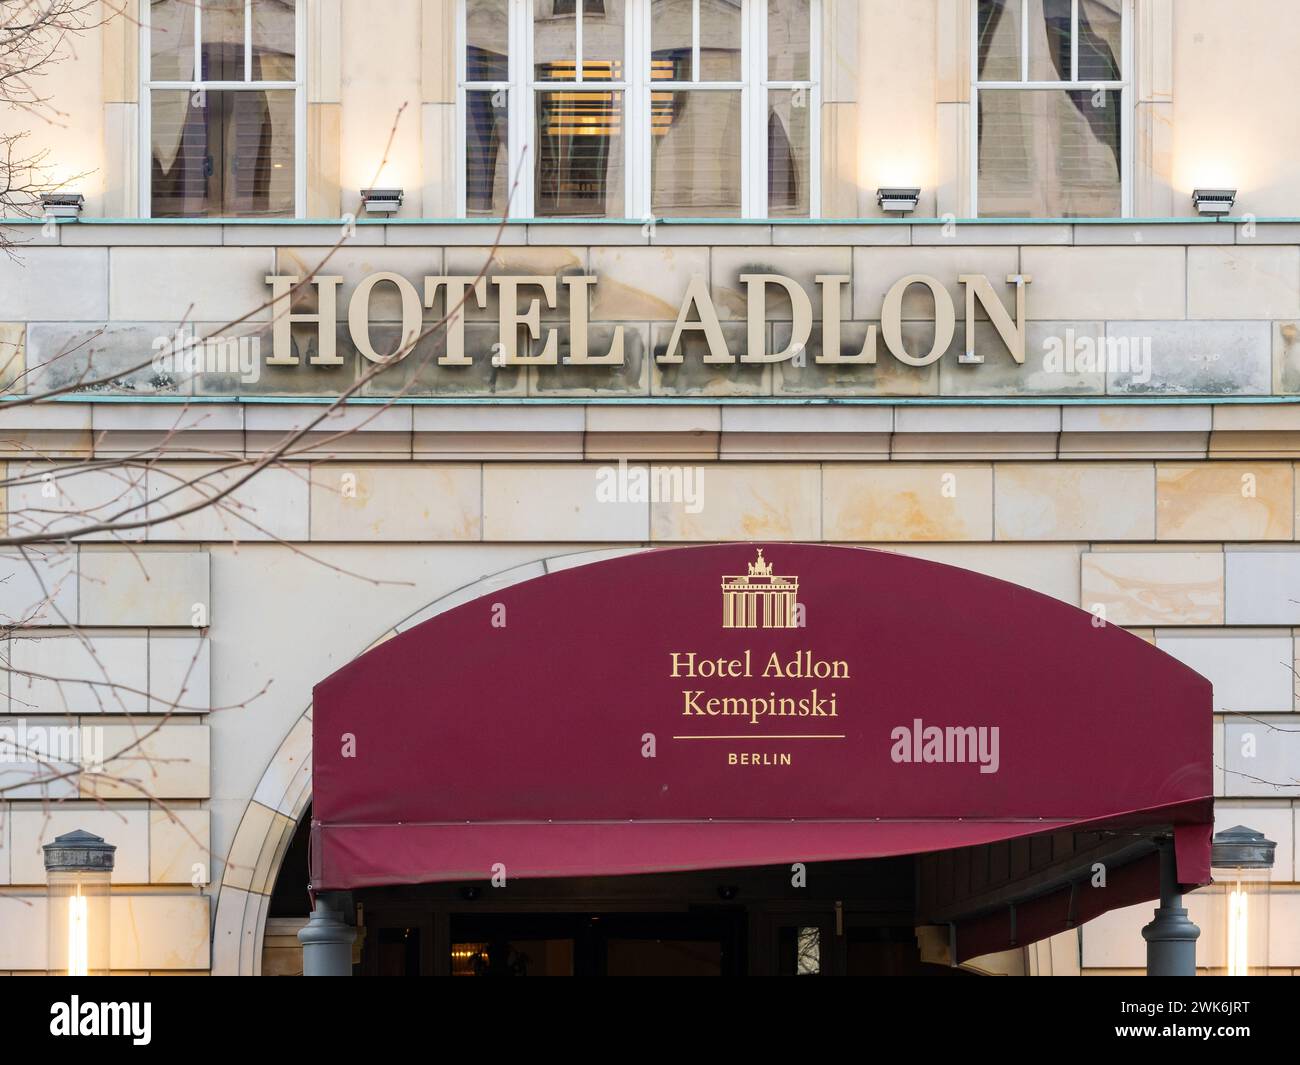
(708, 707)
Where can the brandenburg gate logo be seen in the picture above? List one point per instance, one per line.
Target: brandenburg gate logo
(759, 599)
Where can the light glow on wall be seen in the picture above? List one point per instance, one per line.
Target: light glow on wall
(78, 935)
(1238, 932)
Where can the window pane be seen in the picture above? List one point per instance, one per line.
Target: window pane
(1049, 40)
(555, 40)
(1049, 153)
(1100, 40)
(274, 40)
(719, 40)
(487, 179)
(579, 154)
(670, 40)
(788, 41)
(695, 166)
(809, 952)
(602, 40)
(999, 40)
(222, 153)
(179, 137)
(257, 152)
(788, 185)
(487, 33)
(222, 29)
(171, 40)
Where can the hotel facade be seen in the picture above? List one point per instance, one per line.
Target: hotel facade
(421, 381)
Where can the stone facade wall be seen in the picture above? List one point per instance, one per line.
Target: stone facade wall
(896, 105)
(1169, 504)
(1172, 512)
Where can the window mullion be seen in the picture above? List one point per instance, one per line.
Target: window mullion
(1074, 40)
(636, 110)
(1024, 39)
(695, 40)
(248, 38)
(518, 102)
(578, 63)
(754, 110)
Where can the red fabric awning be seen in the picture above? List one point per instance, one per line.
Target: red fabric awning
(542, 728)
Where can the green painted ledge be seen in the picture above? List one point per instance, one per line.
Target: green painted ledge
(697, 401)
(495, 222)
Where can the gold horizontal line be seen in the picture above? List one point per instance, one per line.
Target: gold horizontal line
(746, 736)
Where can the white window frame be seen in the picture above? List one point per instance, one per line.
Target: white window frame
(637, 90)
(145, 161)
(1124, 85)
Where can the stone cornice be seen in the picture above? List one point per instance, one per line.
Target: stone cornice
(678, 432)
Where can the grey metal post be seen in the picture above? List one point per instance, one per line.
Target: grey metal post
(1171, 937)
(327, 938)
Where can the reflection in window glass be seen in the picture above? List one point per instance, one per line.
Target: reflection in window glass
(1049, 40)
(579, 167)
(603, 23)
(788, 40)
(788, 155)
(719, 40)
(171, 40)
(487, 181)
(999, 40)
(695, 166)
(487, 26)
(808, 960)
(222, 27)
(273, 30)
(222, 153)
(1100, 39)
(1051, 153)
(555, 41)
(670, 40)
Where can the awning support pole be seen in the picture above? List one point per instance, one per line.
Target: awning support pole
(1171, 937)
(327, 938)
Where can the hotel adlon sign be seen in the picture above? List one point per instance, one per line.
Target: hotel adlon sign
(521, 299)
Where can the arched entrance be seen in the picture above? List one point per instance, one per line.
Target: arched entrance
(284, 791)
(688, 715)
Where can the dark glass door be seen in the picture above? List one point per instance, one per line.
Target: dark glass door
(607, 944)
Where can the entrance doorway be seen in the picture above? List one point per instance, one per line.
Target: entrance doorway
(857, 921)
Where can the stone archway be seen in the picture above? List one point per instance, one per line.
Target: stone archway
(284, 791)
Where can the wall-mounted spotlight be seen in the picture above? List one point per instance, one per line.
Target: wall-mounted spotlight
(62, 204)
(1214, 202)
(901, 200)
(382, 201)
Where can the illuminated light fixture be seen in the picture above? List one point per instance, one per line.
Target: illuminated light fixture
(1242, 863)
(901, 200)
(78, 868)
(382, 201)
(1214, 202)
(62, 204)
